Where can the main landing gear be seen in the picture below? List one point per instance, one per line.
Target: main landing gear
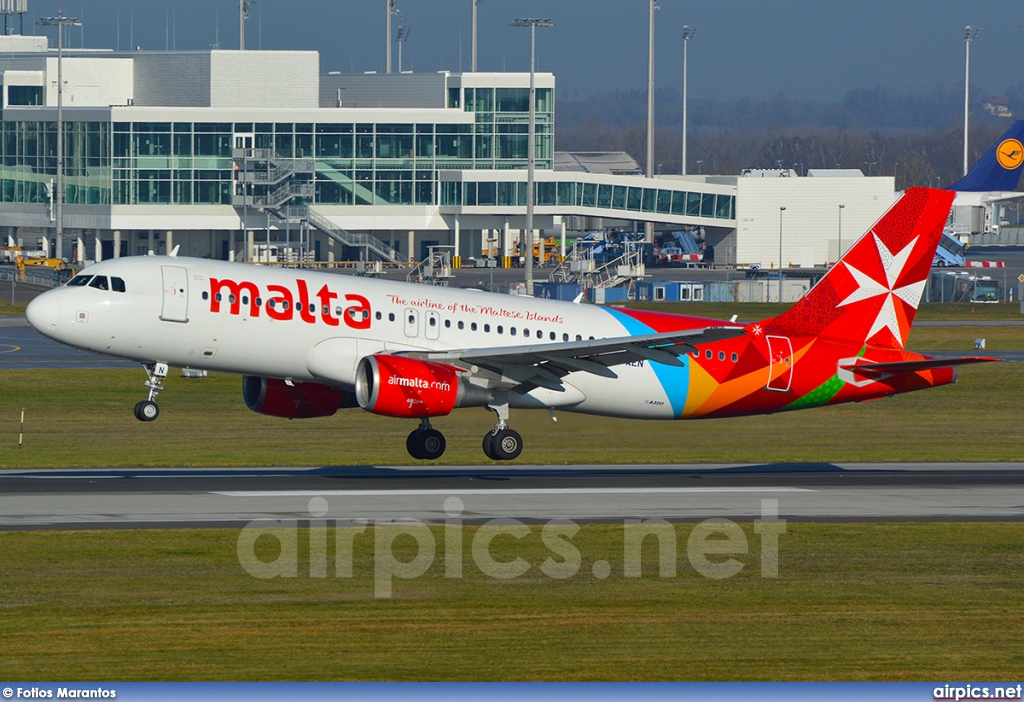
(502, 443)
(499, 444)
(425, 443)
(147, 410)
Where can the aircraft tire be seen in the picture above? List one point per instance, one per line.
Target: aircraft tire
(431, 444)
(413, 446)
(488, 451)
(146, 411)
(506, 445)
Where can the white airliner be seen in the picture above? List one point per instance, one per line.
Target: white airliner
(310, 343)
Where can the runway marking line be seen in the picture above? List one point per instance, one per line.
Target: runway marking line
(499, 491)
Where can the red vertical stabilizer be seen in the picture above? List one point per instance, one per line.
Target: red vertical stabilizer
(872, 293)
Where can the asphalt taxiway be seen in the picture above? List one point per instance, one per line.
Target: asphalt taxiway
(233, 497)
(23, 348)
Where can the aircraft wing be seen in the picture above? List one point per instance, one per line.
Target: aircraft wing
(911, 366)
(526, 366)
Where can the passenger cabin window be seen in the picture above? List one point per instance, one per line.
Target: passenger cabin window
(79, 281)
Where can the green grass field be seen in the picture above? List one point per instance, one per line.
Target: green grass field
(83, 418)
(909, 601)
(852, 602)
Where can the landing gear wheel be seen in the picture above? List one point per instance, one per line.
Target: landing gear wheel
(412, 445)
(506, 445)
(426, 444)
(432, 444)
(146, 411)
(488, 451)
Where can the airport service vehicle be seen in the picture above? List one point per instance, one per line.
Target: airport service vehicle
(950, 253)
(308, 343)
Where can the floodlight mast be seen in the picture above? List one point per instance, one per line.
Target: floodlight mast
(392, 11)
(243, 15)
(649, 170)
(688, 33)
(403, 34)
(60, 21)
(475, 3)
(531, 146)
(970, 31)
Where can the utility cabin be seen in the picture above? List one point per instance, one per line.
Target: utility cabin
(953, 286)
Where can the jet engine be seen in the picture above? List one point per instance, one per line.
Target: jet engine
(397, 386)
(294, 400)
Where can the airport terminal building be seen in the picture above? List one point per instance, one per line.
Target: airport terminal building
(226, 154)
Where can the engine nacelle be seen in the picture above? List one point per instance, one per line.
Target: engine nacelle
(277, 398)
(397, 386)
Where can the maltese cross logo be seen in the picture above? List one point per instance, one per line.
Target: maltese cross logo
(868, 288)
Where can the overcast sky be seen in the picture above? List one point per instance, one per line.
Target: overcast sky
(806, 49)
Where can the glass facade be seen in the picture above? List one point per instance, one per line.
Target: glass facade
(348, 163)
(191, 163)
(28, 154)
(600, 196)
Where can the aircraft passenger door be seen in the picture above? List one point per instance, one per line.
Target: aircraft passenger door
(780, 352)
(175, 302)
(432, 325)
(412, 323)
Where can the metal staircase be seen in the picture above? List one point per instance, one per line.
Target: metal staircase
(283, 187)
(436, 269)
(581, 266)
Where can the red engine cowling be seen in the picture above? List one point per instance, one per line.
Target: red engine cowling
(278, 398)
(397, 386)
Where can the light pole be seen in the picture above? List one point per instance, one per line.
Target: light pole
(60, 21)
(970, 31)
(688, 33)
(243, 15)
(392, 10)
(403, 34)
(649, 166)
(781, 210)
(531, 146)
(840, 232)
(475, 3)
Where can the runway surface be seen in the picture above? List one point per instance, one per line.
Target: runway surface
(232, 497)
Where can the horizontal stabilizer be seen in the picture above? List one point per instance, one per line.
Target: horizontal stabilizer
(911, 366)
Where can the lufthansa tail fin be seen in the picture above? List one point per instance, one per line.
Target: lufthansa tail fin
(871, 295)
(1000, 167)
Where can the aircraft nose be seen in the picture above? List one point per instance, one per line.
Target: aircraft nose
(44, 312)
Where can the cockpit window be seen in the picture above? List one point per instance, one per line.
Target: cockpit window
(99, 282)
(117, 284)
(79, 280)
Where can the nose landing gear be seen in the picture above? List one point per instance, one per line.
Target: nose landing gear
(147, 410)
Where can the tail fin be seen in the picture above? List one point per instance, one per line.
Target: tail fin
(1000, 167)
(871, 295)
